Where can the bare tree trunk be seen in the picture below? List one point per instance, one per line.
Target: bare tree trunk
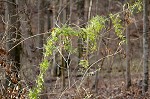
(41, 11)
(63, 70)
(86, 10)
(49, 16)
(12, 30)
(108, 51)
(64, 11)
(61, 23)
(29, 57)
(80, 9)
(54, 66)
(98, 66)
(63, 67)
(145, 47)
(70, 11)
(13, 35)
(128, 74)
(97, 77)
(87, 17)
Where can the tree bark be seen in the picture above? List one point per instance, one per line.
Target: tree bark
(128, 54)
(128, 74)
(63, 67)
(29, 57)
(40, 25)
(145, 47)
(80, 9)
(13, 34)
(49, 16)
(70, 11)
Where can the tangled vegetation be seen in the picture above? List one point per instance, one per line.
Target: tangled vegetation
(61, 39)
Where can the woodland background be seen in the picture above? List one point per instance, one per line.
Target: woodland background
(25, 26)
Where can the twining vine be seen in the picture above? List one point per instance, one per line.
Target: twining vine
(91, 31)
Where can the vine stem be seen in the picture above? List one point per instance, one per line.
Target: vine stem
(27, 39)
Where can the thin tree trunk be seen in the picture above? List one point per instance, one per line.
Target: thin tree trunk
(64, 12)
(49, 17)
(108, 50)
(13, 35)
(97, 67)
(86, 10)
(80, 9)
(70, 11)
(145, 47)
(54, 67)
(63, 67)
(29, 57)
(128, 74)
(12, 30)
(87, 39)
(40, 25)
(63, 70)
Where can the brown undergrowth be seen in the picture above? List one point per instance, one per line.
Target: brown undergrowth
(11, 86)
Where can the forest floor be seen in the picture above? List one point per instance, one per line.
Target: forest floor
(112, 87)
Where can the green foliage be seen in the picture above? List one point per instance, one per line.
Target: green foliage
(49, 47)
(64, 32)
(89, 34)
(91, 31)
(64, 35)
(116, 21)
(84, 63)
(67, 44)
(136, 7)
(44, 65)
(34, 93)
